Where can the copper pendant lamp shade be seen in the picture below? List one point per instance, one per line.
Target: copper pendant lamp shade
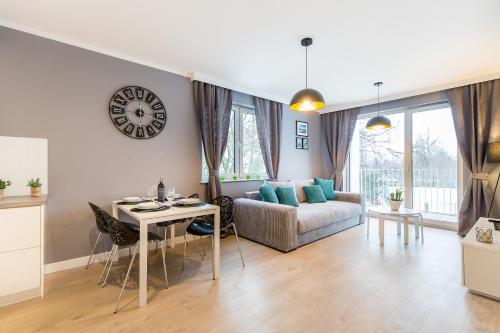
(307, 99)
(378, 122)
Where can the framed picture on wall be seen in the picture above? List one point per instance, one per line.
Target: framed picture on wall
(301, 128)
(305, 143)
(298, 143)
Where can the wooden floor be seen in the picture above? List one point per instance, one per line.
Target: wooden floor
(344, 283)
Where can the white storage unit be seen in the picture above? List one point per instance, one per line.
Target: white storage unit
(481, 262)
(21, 248)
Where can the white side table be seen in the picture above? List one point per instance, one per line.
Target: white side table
(404, 214)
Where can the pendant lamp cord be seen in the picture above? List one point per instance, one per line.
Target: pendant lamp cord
(306, 67)
(378, 99)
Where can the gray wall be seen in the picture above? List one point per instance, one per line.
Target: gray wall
(60, 92)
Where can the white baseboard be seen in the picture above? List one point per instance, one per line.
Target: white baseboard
(100, 257)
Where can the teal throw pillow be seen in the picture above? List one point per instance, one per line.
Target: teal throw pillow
(327, 187)
(314, 194)
(286, 196)
(267, 193)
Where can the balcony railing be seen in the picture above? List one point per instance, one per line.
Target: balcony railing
(434, 190)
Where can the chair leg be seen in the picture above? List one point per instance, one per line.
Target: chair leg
(203, 247)
(164, 265)
(106, 265)
(198, 247)
(238, 242)
(126, 277)
(93, 249)
(184, 255)
(110, 265)
(165, 238)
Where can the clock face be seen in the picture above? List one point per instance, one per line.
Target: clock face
(137, 112)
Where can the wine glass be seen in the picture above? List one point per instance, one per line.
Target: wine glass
(171, 195)
(151, 192)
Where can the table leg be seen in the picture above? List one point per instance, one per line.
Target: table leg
(421, 228)
(399, 226)
(417, 225)
(172, 236)
(143, 265)
(367, 225)
(216, 250)
(381, 229)
(406, 230)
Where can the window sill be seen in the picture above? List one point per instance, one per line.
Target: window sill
(236, 181)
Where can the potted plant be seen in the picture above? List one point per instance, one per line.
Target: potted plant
(257, 177)
(395, 199)
(222, 178)
(235, 177)
(248, 177)
(3, 186)
(36, 187)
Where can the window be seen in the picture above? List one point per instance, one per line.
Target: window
(242, 158)
(418, 154)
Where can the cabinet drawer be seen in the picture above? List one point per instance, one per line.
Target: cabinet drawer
(20, 228)
(19, 271)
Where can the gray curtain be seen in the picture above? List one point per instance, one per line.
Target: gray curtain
(473, 108)
(269, 118)
(213, 106)
(337, 128)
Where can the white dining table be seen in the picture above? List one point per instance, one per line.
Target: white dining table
(173, 213)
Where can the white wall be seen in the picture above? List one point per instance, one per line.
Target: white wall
(23, 159)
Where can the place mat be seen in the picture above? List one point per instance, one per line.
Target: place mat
(127, 203)
(159, 209)
(193, 205)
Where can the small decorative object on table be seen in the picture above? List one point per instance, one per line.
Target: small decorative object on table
(395, 199)
(36, 187)
(3, 186)
(484, 235)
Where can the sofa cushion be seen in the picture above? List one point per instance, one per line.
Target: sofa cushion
(286, 196)
(317, 215)
(299, 190)
(327, 186)
(314, 194)
(267, 193)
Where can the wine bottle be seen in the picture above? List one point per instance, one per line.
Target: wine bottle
(161, 191)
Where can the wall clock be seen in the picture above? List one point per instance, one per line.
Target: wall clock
(137, 112)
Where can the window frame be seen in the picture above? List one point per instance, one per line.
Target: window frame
(237, 109)
(408, 159)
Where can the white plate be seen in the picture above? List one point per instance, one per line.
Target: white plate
(132, 199)
(189, 201)
(147, 205)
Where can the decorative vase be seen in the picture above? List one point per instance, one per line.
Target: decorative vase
(36, 191)
(394, 204)
(2, 194)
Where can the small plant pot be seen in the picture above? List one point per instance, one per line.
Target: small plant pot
(36, 191)
(394, 204)
(2, 195)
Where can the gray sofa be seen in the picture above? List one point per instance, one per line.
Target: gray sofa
(286, 228)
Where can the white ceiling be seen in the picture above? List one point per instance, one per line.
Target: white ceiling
(254, 45)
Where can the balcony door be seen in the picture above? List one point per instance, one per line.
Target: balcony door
(418, 154)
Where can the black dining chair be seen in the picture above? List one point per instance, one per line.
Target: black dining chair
(102, 227)
(124, 236)
(203, 226)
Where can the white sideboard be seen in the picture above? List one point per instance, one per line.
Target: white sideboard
(21, 248)
(481, 262)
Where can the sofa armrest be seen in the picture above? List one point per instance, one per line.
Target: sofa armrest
(252, 195)
(354, 198)
(268, 223)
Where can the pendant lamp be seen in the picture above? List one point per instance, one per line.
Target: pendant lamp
(378, 122)
(307, 99)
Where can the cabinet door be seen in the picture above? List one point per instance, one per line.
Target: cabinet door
(20, 228)
(19, 271)
(482, 270)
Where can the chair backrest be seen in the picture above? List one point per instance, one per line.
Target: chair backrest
(226, 209)
(101, 223)
(120, 233)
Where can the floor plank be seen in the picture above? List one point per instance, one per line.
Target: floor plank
(343, 283)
